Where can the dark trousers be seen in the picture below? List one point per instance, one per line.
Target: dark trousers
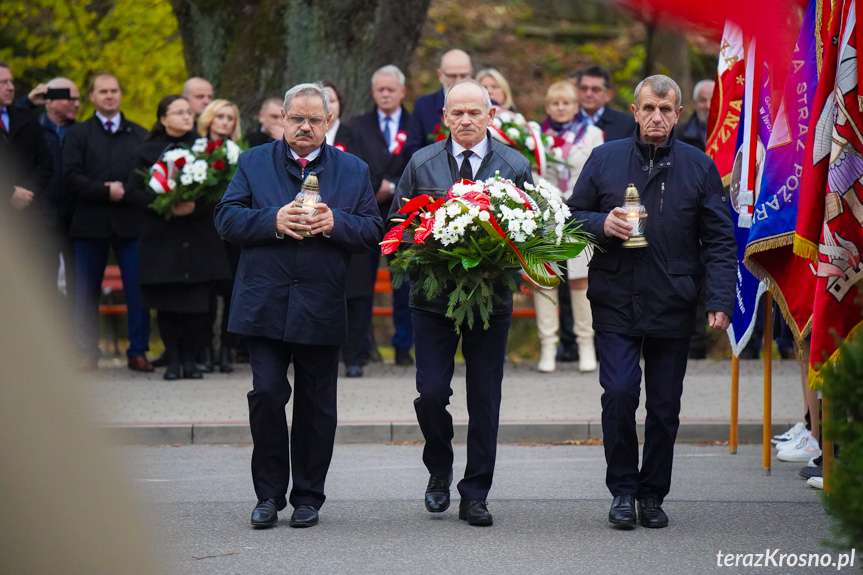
(91, 257)
(403, 337)
(184, 334)
(355, 350)
(309, 448)
(484, 352)
(620, 377)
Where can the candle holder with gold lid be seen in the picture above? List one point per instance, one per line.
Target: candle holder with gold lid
(308, 197)
(636, 214)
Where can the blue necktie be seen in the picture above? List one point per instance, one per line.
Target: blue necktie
(388, 137)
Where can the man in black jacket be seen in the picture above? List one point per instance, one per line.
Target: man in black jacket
(270, 120)
(25, 157)
(643, 299)
(54, 203)
(469, 153)
(380, 136)
(98, 157)
(25, 172)
(594, 94)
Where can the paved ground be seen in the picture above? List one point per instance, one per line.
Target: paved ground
(536, 407)
(549, 504)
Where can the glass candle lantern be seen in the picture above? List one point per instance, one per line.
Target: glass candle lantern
(307, 198)
(635, 215)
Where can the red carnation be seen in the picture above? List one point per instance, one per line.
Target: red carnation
(180, 162)
(219, 143)
(211, 147)
(218, 165)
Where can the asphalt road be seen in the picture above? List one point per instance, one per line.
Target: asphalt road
(549, 503)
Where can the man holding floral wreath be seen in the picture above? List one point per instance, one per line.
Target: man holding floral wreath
(470, 154)
(643, 298)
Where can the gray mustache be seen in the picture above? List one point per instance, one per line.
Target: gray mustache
(306, 133)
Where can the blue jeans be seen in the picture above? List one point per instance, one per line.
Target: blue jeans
(91, 257)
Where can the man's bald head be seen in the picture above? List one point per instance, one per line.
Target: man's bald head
(199, 93)
(455, 65)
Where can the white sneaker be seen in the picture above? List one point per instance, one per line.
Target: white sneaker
(804, 450)
(792, 442)
(790, 434)
(816, 482)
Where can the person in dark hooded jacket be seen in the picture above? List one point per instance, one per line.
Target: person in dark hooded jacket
(643, 299)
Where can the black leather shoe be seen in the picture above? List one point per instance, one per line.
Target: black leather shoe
(475, 512)
(403, 357)
(205, 359)
(437, 493)
(265, 514)
(304, 516)
(160, 361)
(173, 372)
(622, 513)
(191, 371)
(650, 512)
(225, 364)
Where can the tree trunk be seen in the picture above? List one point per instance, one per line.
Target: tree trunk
(254, 49)
(666, 52)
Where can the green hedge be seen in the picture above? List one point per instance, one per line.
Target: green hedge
(843, 388)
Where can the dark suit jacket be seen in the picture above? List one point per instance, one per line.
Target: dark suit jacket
(286, 289)
(256, 137)
(426, 115)
(433, 170)
(345, 138)
(692, 132)
(91, 157)
(616, 125)
(371, 147)
(25, 159)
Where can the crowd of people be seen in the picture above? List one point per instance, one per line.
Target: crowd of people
(298, 288)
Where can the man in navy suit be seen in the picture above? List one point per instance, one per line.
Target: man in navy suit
(455, 65)
(594, 93)
(380, 136)
(289, 296)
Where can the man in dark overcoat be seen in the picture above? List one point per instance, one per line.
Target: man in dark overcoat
(643, 299)
(289, 296)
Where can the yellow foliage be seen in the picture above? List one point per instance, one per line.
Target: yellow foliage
(136, 40)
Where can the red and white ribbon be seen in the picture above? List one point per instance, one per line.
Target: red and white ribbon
(159, 178)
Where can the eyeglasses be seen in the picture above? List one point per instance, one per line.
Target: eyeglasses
(594, 89)
(181, 113)
(313, 121)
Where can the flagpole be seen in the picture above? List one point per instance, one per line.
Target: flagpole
(826, 445)
(768, 380)
(735, 386)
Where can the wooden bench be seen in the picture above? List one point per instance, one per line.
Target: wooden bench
(112, 282)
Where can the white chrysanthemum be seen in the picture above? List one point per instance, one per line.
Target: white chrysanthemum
(519, 119)
(529, 187)
(201, 165)
(497, 122)
(453, 210)
(188, 168)
(186, 179)
(557, 154)
(199, 177)
(484, 216)
(513, 133)
(474, 228)
(473, 212)
(200, 145)
(232, 152)
(529, 143)
(528, 226)
(519, 237)
(172, 184)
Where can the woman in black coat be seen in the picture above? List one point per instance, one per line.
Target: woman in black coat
(181, 258)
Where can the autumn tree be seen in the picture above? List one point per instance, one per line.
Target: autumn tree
(137, 40)
(252, 49)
